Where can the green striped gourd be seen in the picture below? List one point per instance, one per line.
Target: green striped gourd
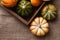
(49, 12)
(24, 8)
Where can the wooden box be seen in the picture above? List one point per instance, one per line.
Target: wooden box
(28, 21)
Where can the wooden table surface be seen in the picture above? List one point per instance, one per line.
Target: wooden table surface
(12, 29)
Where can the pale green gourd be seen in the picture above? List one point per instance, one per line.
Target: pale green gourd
(49, 12)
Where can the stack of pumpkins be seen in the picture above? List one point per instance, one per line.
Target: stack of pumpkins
(39, 25)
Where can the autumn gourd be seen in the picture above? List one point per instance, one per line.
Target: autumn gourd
(49, 12)
(39, 26)
(9, 3)
(24, 8)
(36, 3)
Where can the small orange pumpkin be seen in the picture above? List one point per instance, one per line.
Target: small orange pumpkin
(36, 2)
(9, 3)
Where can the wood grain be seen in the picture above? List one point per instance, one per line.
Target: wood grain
(12, 29)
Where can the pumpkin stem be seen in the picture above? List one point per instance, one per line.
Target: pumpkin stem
(39, 26)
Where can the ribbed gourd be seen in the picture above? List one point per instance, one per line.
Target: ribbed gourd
(49, 12)
(39, 26)
(24, 8)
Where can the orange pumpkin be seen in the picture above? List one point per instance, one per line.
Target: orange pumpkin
(36, 2)
(9, 3)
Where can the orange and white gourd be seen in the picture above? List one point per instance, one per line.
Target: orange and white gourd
(39, 27)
